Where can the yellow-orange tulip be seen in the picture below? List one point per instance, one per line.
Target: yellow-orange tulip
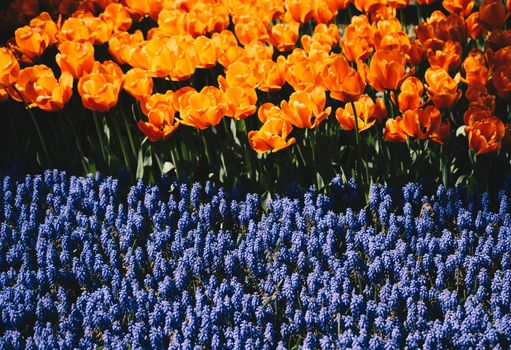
(138, 83)
(39, 88)
(272, 136)
(386, 70)
(442, 89)
(9, 67)
(75, 57)
(202, 109)
(365, 111)
(306, 109)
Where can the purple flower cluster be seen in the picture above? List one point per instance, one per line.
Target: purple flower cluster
(85, 264)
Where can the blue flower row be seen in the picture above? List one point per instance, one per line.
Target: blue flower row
(85, 264)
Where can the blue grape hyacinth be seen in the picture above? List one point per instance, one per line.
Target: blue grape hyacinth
(86, 263)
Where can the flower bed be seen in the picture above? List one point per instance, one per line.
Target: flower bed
(84, 263)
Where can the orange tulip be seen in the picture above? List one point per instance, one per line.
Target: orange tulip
(474, 27)
(306, 109)
(84, 26)
(121, 44)
(357, 42)
(365, 111)
(99, 89)
(322, 13)
(203, 109)
(39, 88)
(502, 81)
(447, 56)
(386, 70)
(30, 42)
(270, 74)
(343, 81)
(394, 130)
(138, 83)
(283, 36)
(257, 50)
(323, 38)
(76, 58)
(240, 74)
(268, 111)
(475, 68)
(301, 70)
(478, 95)
(9, 67)
(161, 124)
(227, 46)
(301, 11)
(138, 7)
(251, 29)
(155, 100)
(492, 14)
(172, 21)
(208, 52)
(411, 91)
(442, 89)
(476, 113)
(43, 23)
(117, 17)
(241, 101)
(461, 7)
(272, 136)
(486, 136)
(426, 124)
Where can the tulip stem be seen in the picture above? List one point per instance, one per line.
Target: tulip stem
(121, 142)
(359, 150)
(36, 125)
(77, 141)
(100, 136)
(128, 130)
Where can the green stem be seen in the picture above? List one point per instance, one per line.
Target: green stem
(359, 149)
(128, 131)
(121, 143)
(36, 125)
(95, 116)
(77, 141)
